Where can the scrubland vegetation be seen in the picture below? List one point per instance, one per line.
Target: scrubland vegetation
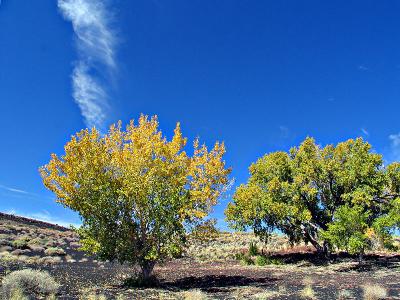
(322, 222)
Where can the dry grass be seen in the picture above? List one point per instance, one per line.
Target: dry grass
(194, 295)
(34, 245)
(308, 292)
(374, 292)
(226, 246)
(345, 294)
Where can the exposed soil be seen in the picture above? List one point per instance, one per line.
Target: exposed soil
(226, 279)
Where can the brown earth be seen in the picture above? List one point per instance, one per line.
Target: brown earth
(212, 273)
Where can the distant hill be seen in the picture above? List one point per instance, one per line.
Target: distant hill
(28, 221)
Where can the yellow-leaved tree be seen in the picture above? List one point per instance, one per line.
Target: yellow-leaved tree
(135, 191)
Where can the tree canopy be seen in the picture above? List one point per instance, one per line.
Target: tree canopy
(329, 196)
(135, 190)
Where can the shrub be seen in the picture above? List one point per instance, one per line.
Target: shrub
(18, 295)
(308, 292)
(374, 292)
(345, 294)
(35, 241)
(247, 261)
(205, 231)
(261, 260)
(21, 243)
(265, 260)
(28, 282)
(5, 242)
(54, 251)
(253, 250)
(239, 256)
(94, 296)
(194, 295)
(49, 260)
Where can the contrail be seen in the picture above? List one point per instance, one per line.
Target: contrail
(95, 43)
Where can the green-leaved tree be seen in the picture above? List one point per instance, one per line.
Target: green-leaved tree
(329, 197)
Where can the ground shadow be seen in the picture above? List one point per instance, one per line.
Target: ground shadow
(370, 261)
(210, 283)
(214, 283)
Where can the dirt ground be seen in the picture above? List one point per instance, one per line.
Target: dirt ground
(301, 276)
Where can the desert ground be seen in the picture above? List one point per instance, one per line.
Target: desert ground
(209, 269)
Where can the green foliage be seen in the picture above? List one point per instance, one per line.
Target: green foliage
(54, 251)
(253, 250)
(247, 260)
(348, 229)
(27, 283)
(299, 193)
(206, 230)
(239, 256)
(262, 260)
(21, 243)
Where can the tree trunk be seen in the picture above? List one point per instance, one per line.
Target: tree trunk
(326, 250)
(147, 269)
(323, 251)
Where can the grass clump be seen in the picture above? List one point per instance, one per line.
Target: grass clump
(28, 283)
(253, 250)
(52, 251)
(21, 243)
(194, 295)
(345, 294)
(262, 260)
(247, 260)
(374, 292)
(308, 292)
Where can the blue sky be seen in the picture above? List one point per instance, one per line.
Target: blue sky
(259, 75)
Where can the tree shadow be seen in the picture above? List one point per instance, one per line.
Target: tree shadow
(216, 283)
(370, 261)
(308, 258)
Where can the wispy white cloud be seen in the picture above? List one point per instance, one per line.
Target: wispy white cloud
(96, 42)
(89, 95)
(14, 190)
(395, 146)
(365, 131)
(363, 68)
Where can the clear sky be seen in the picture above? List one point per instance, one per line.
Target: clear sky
(259, 75)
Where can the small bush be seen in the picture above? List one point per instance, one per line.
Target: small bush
(18, 295)
(308, 292)
(28, 282)
(239, 256)
(49, 260)
(374, 292)
(35, 241)
(54, 251)
(265, 260)
(21, 243)
(345, 294)
(247, 261)
(261, 260)
(5, 242)
(253, 250)
(194, 295)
